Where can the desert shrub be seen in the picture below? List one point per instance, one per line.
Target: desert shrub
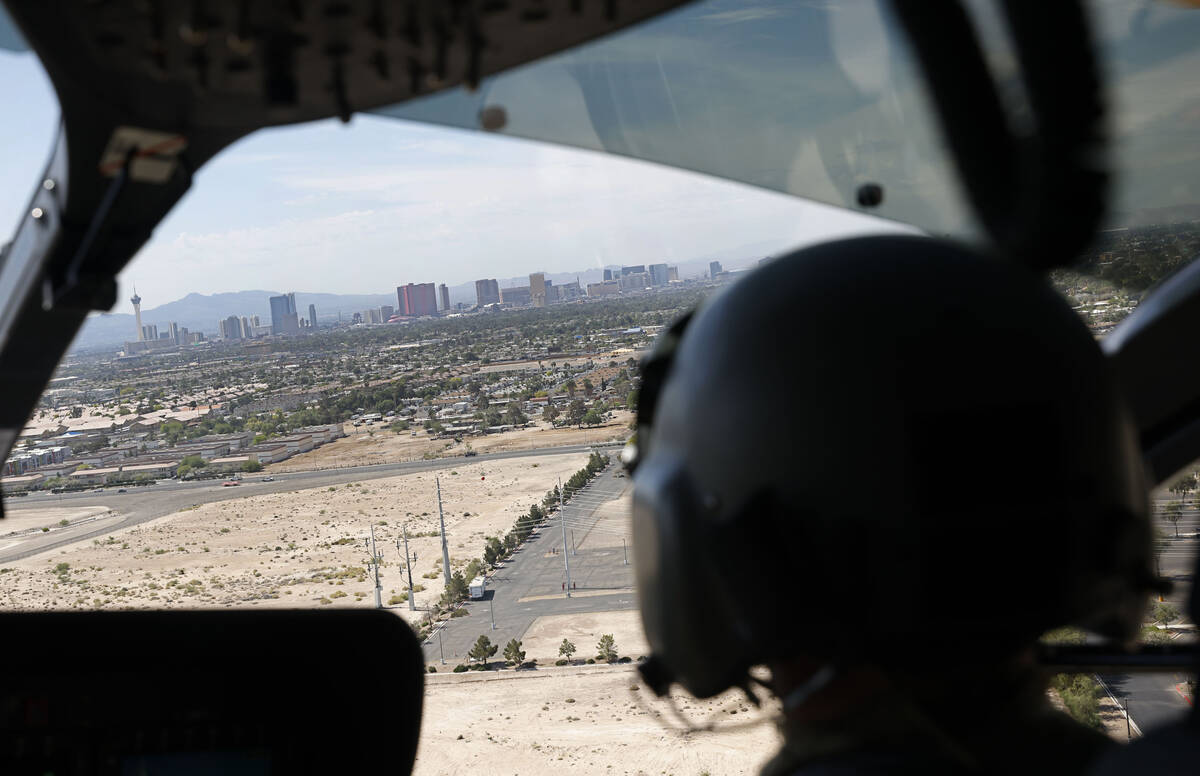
(1080, 693)
(458, 669)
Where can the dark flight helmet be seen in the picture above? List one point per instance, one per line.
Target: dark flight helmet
(885, 449)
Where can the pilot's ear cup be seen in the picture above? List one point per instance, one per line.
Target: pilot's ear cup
(678, 570)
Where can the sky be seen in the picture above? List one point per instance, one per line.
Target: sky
(364, 207)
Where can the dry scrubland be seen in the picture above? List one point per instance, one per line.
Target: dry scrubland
(297, 549)
(586, 720)
(378, 444)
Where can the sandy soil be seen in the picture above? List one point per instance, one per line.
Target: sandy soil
(303, 548)
(381, 445)
(543, 638)
(21, 520)
(586, 720)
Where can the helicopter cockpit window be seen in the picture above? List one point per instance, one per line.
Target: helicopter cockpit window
(821, 100)
(28, 126)
(392, 365)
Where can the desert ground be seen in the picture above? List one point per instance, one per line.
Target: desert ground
(304, 548)
(587, 720)
(378, 444)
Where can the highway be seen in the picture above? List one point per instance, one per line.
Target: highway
(530, 584)
(140, 504)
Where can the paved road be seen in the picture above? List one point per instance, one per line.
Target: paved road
(1152, 698)
(1153, 701)
(147, 503)
(530, 584)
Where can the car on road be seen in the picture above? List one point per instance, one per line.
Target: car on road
(469, 454)
(122, 490)
(230, 483)
(97, 490)
(268, 479)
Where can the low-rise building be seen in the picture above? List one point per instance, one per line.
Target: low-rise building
(157, 469)
(230, 463)
(93, 476)
(58, 469)
(206, 450)
(323, 434)
(296, 443)
(268, 452)
(18, 483)
(235, 441)
(99, 458)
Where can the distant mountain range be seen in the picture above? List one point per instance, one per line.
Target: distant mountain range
(201, 312)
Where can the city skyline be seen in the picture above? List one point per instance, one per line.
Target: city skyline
(335, 208)
(413, 300)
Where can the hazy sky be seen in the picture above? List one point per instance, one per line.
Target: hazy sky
(364, 207)
(804, 97)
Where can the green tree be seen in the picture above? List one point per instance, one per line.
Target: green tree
(550, 413)
(513, 654)
(570, 386)
(631, 400)
(566, 649)
(591, 418)
(1173, 513)
(193, 461)
(483, 649)
(1081, 695)
(588, 388)
(575, 412)
(252, 466)
(1165, 614)
(1184, 484)
(493, 552)
(606, 649)
(457, 589)
(514, 416)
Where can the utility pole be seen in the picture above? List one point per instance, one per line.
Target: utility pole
(563, 522)
(572, 541)
(492, 609)
(412, 604)
(442, 520)
(374, 564)
(441, 652)
(624, 551)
